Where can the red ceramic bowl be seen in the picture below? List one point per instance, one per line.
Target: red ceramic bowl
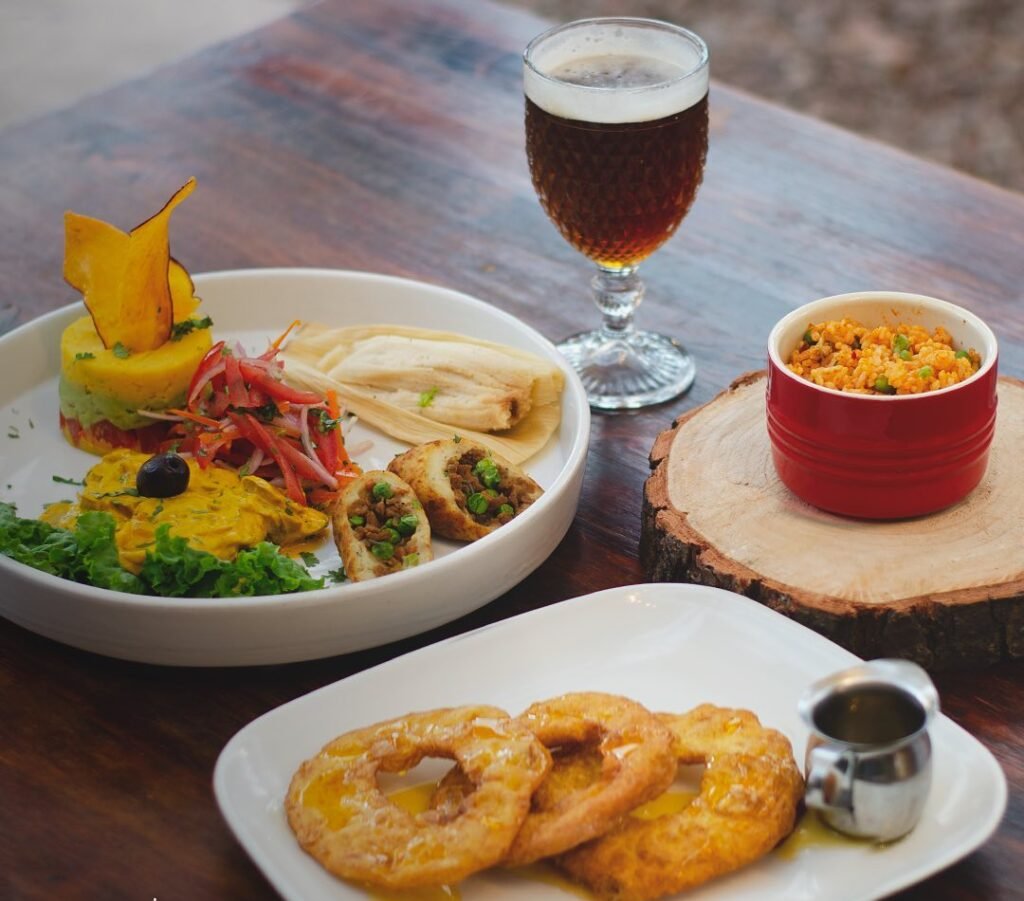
(881, 456)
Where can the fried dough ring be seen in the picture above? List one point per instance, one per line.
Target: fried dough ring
(611, 754)
(748, 801)
(342, 818)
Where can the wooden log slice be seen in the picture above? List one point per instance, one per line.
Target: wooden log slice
(945, 590)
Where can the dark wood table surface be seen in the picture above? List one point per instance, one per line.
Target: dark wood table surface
(387, 136)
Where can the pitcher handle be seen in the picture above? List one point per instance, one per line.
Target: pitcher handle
(829, 779)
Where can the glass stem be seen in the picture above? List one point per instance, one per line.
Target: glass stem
(617, 293)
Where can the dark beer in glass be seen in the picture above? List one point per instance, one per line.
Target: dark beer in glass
(616, 139)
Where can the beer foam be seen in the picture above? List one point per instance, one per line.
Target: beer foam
(613, 72)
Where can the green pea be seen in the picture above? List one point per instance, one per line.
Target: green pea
(382, 491)
(356, 521)
(882, 386)
(407, 524)
(906, 355)
(394, 537)
(410, 560)
(507, 508)
(925, 372)
(476, 503)
(487, 470)
(382, 550)
(900, 342)
(808, 338)
(961, 354)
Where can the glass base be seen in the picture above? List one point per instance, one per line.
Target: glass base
(630, 369)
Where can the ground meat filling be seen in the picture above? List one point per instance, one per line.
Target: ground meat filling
(484, 491)
(382, 520)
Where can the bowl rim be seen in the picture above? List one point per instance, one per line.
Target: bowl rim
(951, 309)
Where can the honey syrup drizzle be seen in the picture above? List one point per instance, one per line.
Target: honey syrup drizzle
(813, 832)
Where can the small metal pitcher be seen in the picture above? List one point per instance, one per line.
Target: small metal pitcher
(869, 757)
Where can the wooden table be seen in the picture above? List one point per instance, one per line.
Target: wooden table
(387, 136)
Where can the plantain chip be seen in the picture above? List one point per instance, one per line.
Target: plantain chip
(127, 280)
(183, 290)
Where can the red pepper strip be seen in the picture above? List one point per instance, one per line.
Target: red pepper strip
(334, 411)
(322, 497)
(205, 365)
(217, 403)
(326, 447)
(265, 441)
(277, 390)
(238, 395)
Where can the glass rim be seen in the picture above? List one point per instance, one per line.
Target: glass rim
(633, 21)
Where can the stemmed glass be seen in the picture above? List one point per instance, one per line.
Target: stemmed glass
(616, 137)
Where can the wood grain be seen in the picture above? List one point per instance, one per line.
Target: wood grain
(386, 135)
(945, 590)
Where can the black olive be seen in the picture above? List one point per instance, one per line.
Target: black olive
(164, 475)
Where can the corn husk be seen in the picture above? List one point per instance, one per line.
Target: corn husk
(502, 397)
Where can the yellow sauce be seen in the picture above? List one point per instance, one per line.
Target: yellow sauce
(813, 832)
(414, 799)
(548, 875)
(667, 803)
(331, 797)
(220, 512)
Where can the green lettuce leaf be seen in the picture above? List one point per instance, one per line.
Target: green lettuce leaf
(172, 568)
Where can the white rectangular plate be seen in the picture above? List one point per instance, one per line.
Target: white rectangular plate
(668, 646)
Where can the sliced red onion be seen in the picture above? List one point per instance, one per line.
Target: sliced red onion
(167, 417)
(212, 374)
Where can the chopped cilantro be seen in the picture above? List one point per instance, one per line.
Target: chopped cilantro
(12, 432)
(124, 492)
(120, 351)
(325, 424)
(338, 575)
(456, 438)
(180, 329)
(85, 356)
(60, 480)
(427, 397)
(265, 413)
(308, 558)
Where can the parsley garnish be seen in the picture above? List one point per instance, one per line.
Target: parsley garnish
(326, 424)
(60, 480)
(427, 397)
(308, 558)
(265, 413)
(180, 329)
(125, 492)
(338, 575)
(120, 351)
